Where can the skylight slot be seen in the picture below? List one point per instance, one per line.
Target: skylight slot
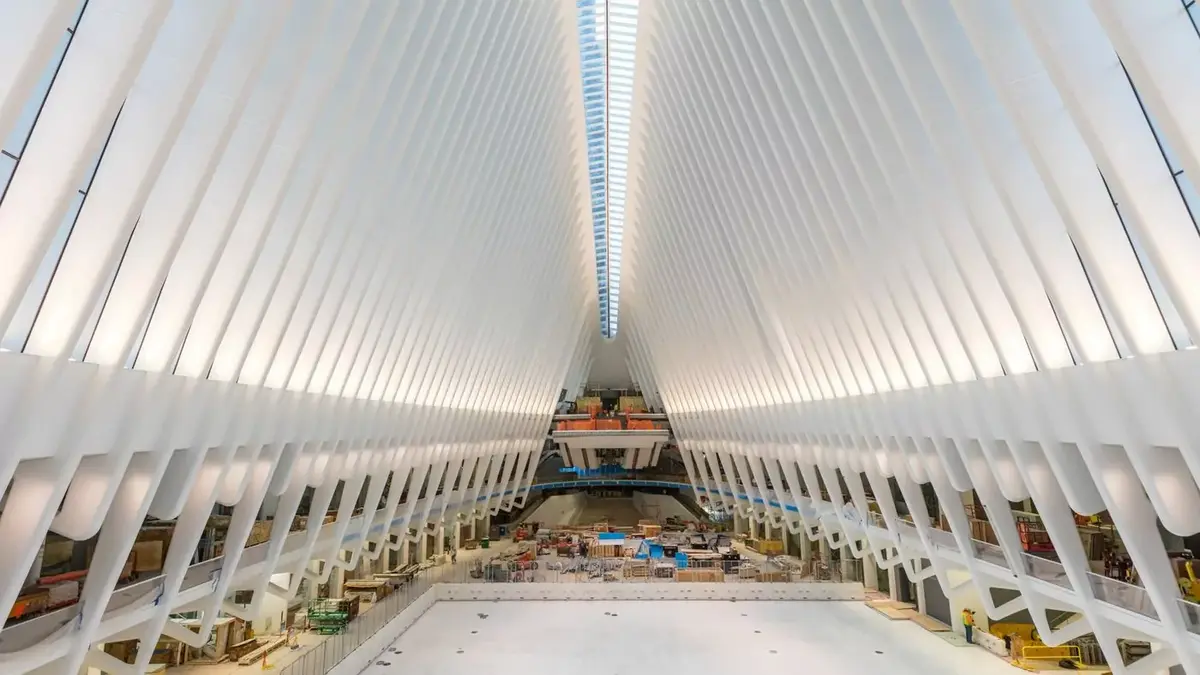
(607, 34)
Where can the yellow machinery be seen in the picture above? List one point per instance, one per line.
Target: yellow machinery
(1187, 585)
(1025, 631)
(1053, 654)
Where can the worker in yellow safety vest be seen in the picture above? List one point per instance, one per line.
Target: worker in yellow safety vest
(968, 619)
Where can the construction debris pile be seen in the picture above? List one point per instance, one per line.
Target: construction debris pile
(649, 551)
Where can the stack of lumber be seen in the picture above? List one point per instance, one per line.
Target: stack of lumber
(892, 609)
(649, 531)
(263, 649)
(701, 574)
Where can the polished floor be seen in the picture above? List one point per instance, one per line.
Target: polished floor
(607, 638)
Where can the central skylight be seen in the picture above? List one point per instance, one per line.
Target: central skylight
(607, 32)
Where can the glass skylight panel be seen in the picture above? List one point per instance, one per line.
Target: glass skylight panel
(607, 34)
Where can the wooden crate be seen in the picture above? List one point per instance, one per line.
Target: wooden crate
(766, 546)
(772, 576)
(598, 549)
(147, 556)
(370, 590)
(700, 575)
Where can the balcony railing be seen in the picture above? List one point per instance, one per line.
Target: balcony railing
(325, 655)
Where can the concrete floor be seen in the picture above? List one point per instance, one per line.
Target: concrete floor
(602, 638)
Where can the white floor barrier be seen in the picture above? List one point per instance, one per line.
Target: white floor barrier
(358, 660)
(677, 591)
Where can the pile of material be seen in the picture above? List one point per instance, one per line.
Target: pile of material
(785, 563)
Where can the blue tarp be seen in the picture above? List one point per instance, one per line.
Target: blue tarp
(610, 536)
(648, 550)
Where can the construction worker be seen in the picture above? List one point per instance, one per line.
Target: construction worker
(968, 619)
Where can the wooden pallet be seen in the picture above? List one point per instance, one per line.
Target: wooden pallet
(893, 610)
(927, 622)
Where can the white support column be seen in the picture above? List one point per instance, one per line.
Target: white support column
(870, 572)
(337, 582)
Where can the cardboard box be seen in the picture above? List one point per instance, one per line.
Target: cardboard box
(148, 556)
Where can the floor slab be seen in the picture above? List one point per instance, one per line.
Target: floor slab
(614, 638)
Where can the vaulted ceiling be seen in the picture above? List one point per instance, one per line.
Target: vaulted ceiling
(247, 248)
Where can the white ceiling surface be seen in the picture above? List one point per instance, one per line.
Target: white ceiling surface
(609, 368)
